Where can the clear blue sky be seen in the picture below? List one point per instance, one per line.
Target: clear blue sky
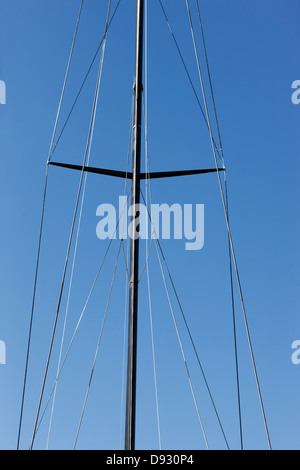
(254, 58)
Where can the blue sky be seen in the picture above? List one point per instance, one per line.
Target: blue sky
(254, 60)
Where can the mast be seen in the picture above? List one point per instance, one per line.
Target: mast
(136, 177)
(134, 254)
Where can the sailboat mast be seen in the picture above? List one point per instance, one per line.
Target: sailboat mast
(134, 254)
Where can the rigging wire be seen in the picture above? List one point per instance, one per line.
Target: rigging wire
(75, 249)
(181, 347)
(124, 348)
(98, 273)
(173, 316)
(225, 204)
(146, 262)
(152, 344)
(126, 257)
(97, 349)
(112, 282)
(189, 333)
(146, 168)
(42, 220)
(193, 344)
(125, 185)
(169, 273)
(169, 300)
(89, 138)
(187, 72)
(227, 209)
(147, 251)
(229, 232)
(65, 81)
(125, 260)
(83, 82)
(153, 353)
(80, 319)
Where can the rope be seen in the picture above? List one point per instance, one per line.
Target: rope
(42, 220)
(70, 239)
(229, 233)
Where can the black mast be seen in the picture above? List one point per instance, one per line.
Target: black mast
(134, 255)
(136, 177)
